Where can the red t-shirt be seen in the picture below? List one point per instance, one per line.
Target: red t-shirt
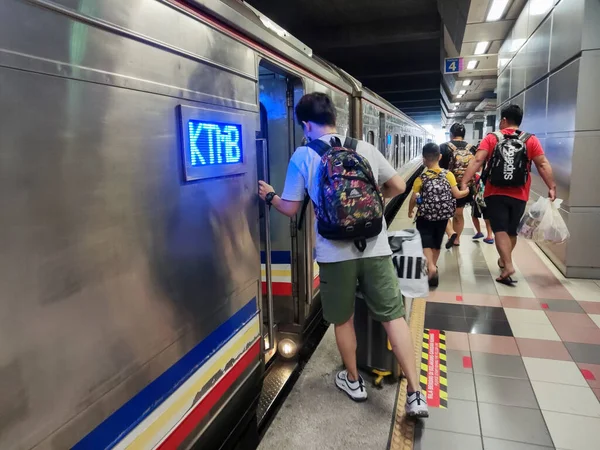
(534, 148)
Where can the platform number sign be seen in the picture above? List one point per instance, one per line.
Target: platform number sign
(453, 65)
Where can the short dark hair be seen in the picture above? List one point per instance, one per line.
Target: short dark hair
(431, 151)
(458, 130)
(513, 114)
(317, 108)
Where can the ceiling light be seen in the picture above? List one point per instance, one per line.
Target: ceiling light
(540, 7)
(481, 47)
(497, 10)
(503, 61)
(472, 64)
(516, 44)
(457, 104)
(462, 92)
(467, 83)
(459, 96)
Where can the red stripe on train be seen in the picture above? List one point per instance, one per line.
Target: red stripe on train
(202, 408)
(280, 288)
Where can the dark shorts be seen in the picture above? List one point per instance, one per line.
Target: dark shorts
(478, 211)
(462, 202)
(432, 232)
(504, 213)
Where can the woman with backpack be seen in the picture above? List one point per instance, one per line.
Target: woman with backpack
(435, 192)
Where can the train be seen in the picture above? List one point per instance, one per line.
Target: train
(146, 292)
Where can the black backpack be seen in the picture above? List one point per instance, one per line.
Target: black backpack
(509, 165)
(350, 203)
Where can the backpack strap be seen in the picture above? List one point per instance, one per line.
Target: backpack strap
(319, 146)
(303, 210)
(524, 136)
(351, 143)
(498, 135)
(468, 147)
(451, 146)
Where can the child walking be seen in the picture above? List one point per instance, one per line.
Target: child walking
(435, 192)
(479, 212)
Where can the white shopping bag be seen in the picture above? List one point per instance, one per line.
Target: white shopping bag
(543, 223)
(552, 227)
(410, 263)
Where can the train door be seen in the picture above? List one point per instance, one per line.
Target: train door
(283, 259)
(402, 148)
(396, 151)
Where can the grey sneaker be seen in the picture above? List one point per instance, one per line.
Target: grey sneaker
(416, 406)
(354, 389)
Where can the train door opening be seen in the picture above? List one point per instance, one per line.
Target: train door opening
(283, 265)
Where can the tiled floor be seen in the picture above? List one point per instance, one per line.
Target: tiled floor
(523, 361)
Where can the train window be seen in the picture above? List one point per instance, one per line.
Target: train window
(371, 137)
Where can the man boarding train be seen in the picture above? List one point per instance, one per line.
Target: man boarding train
(346, 180)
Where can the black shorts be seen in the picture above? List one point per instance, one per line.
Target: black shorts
(478, 211)
(462, 202)
(432, 232)
(504, 213)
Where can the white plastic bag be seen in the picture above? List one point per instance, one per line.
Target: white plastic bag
(410, 263)
(552, 228)
(533, 217)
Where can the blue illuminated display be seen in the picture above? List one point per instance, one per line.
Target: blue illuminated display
(213, 143)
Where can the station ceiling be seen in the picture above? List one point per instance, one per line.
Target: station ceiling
(393, 47)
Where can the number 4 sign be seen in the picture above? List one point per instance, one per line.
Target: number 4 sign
(453, 65)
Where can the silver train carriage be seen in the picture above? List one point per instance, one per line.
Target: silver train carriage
(144, 287)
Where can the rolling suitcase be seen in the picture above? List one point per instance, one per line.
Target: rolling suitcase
(374, 353)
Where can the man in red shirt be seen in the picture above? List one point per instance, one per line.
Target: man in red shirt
(506, 204)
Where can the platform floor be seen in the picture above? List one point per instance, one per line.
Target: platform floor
(523, 366)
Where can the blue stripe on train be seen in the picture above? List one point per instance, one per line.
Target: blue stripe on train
(126, 418)
(281, 257)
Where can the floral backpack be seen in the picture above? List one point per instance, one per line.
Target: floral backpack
(350, 205)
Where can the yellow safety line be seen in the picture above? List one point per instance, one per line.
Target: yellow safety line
(403, 434)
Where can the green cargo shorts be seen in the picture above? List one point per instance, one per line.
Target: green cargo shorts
(376, 280)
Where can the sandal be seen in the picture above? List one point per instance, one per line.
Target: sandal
(451, 241)
(508, 281)
(434, 281)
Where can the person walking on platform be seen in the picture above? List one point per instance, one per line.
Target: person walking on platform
(479, 211)
(456, 156)
(435, 191)
(508, 154)
(346, 263)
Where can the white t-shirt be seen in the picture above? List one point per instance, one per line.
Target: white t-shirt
(302, 175)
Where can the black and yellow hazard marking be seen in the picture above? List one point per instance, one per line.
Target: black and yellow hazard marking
(434, 372)
(403, 430)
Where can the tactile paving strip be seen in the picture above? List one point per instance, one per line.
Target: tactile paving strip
(403, 432)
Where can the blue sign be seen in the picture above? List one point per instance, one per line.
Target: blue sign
(389, 139)
(453, 65)
(213, 143)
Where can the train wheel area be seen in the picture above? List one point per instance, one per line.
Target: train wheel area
(502, 367)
